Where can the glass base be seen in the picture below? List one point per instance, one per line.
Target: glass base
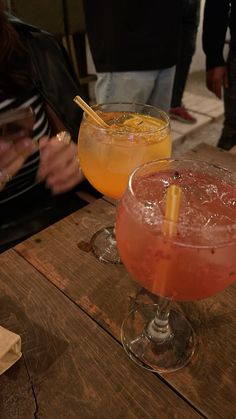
(103, 245)
(160, 356)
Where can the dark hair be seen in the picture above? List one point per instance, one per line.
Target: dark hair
(15, 67)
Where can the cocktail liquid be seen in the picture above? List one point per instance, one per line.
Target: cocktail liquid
(200, 259)
(108, 157)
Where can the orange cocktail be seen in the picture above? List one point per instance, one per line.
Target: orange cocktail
(136, 134)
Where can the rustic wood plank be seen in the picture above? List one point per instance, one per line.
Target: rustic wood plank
(75, 368)
(209, 380)
(106, 292)
(17, 398)
(63, 254)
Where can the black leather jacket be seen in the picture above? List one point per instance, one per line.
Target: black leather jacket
(53, 74)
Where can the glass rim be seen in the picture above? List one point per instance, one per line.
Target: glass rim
(194, 226)
(100, 128)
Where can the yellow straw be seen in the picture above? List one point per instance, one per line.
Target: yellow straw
(169, 229)
(172, 210)
(80, 102)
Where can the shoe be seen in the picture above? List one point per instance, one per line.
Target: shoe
(181, 114)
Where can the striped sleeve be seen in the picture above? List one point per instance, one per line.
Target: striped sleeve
(25, 179)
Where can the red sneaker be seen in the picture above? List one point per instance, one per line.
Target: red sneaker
(181, 114)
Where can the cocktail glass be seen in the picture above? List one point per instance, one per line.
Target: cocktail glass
(137, 133)
(196, 262)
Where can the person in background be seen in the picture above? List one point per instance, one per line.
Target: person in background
(134, 47)
(220, 73)
(35, 72)
(191, 16)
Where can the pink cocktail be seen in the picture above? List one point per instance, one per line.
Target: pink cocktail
(196, 262)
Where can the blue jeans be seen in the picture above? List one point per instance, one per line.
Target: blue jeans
(228, 136)
(150, 87)
(191, 15)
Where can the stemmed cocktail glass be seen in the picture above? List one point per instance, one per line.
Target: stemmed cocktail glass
(136, 133)
(195, 261)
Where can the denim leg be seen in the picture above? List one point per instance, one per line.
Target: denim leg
(151, 87)
(228, 136)
(131, 86)
(102, 87)
(191, 15)
(162, 90)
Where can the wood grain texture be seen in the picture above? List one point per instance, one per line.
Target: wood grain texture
(107, 292)
(17, 399)
(75, 368)
(102, 290)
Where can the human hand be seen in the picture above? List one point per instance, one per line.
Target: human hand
(13, 153)
(216, 78)
(59, 166)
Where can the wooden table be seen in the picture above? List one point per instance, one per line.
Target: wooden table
(68, 308)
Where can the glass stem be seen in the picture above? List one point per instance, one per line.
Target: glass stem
(159, 329)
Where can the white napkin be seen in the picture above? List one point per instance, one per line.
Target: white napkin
(10, 349)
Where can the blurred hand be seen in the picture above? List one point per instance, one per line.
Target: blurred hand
(59, 166)
(13, 154)
(216, 78)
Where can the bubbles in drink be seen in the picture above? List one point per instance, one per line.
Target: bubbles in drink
(132, 122)
(205, 200)
(198, 260)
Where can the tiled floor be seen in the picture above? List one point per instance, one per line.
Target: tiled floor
(206, 108)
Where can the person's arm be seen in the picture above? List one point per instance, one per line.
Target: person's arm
(215, 24)
(49, 57)
(55, 123)
(13, 154)
(59, 165)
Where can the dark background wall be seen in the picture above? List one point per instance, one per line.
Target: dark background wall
(65, 19)
(57, 16)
